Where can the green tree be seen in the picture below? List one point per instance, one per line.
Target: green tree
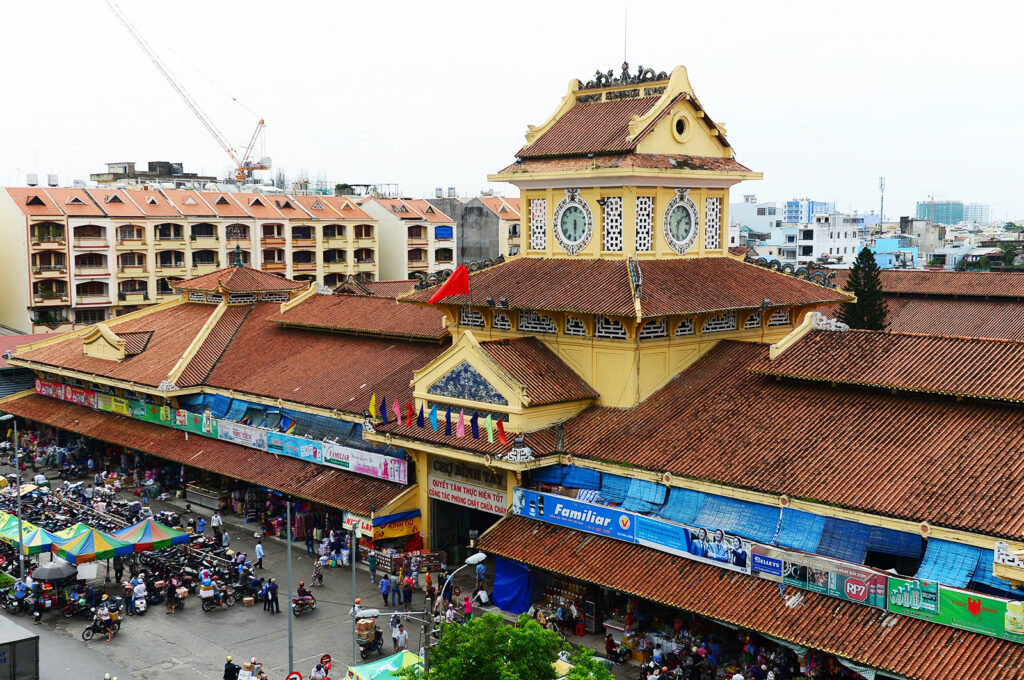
(343, 189)
(1009, 252)
(586, 666)
(870, 312)
(488, 649)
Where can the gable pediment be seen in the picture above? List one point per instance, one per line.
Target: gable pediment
(103, 343)
(467, 383)
(465, 376)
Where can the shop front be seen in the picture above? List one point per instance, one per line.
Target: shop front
(466, 499)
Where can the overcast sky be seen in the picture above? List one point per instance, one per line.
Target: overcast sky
(822, 97)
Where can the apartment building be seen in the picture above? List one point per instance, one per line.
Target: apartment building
(81, 256)
(416, 237)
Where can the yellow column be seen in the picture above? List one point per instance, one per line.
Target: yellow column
(422, 461)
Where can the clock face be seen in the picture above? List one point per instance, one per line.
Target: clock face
(680, 223)
(573, 224)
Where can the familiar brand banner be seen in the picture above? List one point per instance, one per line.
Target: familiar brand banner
(468, 495)
(569, 512)
(236, 433)
(367, 463)
(821, 575)
(957, 608)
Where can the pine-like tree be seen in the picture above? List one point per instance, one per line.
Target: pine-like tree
(870, 312)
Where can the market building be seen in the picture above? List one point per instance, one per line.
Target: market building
(626, 415)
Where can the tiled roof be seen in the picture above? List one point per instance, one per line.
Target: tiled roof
(23, 196)
(962, 367)
(346, 207)
(136, 342)
(542, 441)
(325, 211)
(173, 330)
(239, 280)
(596, 127)
(9, 342)
(75, 202)
(964, 317)
(214, 345)
(365, 314)
(676, 286)
(225, 204)
(902, 645)
(398, 207)
(288, 207)
(329, 370)
(501, 207)
(627, 161)
(390, 289)
(547, 379)
(115, 202)
(967, 284)
(740, 250)
(153, 203)
(318, 483)
(430, 212)
(189, 203)
(720, 422)
(259, 206)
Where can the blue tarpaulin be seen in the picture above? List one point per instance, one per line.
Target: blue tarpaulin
(751, 520)
(683, 505)
(892, 542)
(511, 586)
(844, 540)
(442, 232)
(800, 530)
(220, 405)
(236, 410)
(952, 564)
(581, 478)
(644, 496)
(987, 582)
(548, 475)
(614, 488)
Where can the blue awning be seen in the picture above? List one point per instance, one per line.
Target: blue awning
(751, 520)
(683, 505)
(892, 542)
(644, 496)
(844, 540)
(614, 488)
(512, 586)
(987, 582)
(394, 517)
(800, 530)
(581, 478)
(952, 564)
(548, 475)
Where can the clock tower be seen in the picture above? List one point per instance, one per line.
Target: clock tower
(627, 166)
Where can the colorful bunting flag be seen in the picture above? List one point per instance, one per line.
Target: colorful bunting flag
(419, 418)
(501, 433)
(398, 412)
(448, 422)
(489, 424)
(433, 417)
(384, 410)
(474, 426)
(408, 414)
(460, 429)
(373, 405)
(287, 425)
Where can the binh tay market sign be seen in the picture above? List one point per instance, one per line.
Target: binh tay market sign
(821, 575)
(467, 495)
(957, 608)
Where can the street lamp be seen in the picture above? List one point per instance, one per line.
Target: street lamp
(17, 469)
(472, 560)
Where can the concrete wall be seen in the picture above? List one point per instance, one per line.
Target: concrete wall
(14, 261)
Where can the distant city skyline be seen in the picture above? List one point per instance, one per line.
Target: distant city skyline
(432, 95)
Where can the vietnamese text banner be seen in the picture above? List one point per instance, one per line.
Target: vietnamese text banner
(467, 495)
(830, 577)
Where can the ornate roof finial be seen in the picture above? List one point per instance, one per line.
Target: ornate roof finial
(238, 256)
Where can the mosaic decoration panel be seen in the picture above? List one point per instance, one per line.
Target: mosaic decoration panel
(613, 224)
(644, 223)
(538, 223)
(465, 382)
(712, 223)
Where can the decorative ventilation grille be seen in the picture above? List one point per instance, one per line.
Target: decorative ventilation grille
(753, 321)
(241, 299)
(501, 321)
(712, 223)
(273, 297)
(471, 317)
(722, 322)
(613, 224)
(538, 223)
(536, 323)
(609, 328)
(654, 329)
(779, 318)
(574, 326)
(214, 297)
(196, 296)
(685, 327)
(644, 223)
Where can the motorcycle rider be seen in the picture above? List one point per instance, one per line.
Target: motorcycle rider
(231, 670)
(218, 594)
(139, 591)
(303, 593)
(106, 623)
(318, 672)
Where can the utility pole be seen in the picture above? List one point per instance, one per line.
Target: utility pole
(353, 557)
(881, 207)
(288, 595)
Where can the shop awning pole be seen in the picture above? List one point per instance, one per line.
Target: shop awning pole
(288, 596)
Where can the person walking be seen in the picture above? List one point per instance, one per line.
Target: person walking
(118, 568)
(403, 639)
(318, 573)
(481, 574)
(265, 595)
(309, 545)
(259, 553)
(172, 596)
(275, 605)
(407, 594)
(414, 568)
(372, 563)
(385, 588)
(216, 523)
(396, 591)
(225, 540)
(467, 608)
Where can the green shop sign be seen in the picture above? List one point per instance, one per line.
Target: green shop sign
(977, 613)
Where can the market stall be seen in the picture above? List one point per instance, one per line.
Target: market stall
(151, 535)
(387, 668)
(91, 546)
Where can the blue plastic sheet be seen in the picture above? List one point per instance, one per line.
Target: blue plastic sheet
(236, 410)
(614, 488)
(800, 530)
(511, 586)
(643, 496)
(952, 564)
(892, 542)
(751, 520)
(683, 505)
(442, 232)
(844, 540)
(220, 405)
(581, 478)
(548, 475)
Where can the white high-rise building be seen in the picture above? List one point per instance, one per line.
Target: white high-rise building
(977, 213)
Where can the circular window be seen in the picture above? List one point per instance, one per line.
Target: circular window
(681, 127)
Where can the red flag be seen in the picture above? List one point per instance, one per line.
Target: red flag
(501, 434)
(457, 284)
(408, 414)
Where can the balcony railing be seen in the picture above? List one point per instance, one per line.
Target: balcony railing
(40, 268)
(167, 265)
(207, 237)
(214, 263)
(133, 295)
(90, 242)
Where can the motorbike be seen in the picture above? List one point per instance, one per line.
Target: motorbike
(77, 606)
(141, 605)
(301, 605)
(368, 644)
(97, 627)
(649, 670)
(211, 603)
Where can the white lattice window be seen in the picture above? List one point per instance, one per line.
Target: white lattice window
(644, 223)
(609, 328)
(685, 327)
(501, 321)
(719, 323)
(538, 223)
(779, 318)
(471, 317)
(712, 223)
(196, 296)
(613, 224)
(214, 297)
(654, 329)
(753, 321)
(574, 326)
(273, 297)
(536, 323)
(241, 299)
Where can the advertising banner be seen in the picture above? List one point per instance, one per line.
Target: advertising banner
(49, 389)
(957, 608)
(713, 546)
(296, 447)
(403, 527)
(75, 395)
(151, 413)
(364, 524)
(367, 463)
(243, 435)
(198, 423)
(568, 512)
(119, 405)
(480, 475)
(468, 495)
(821, 575)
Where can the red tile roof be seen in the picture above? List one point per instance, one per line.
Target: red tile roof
(288, 207)
(962, 367)
(346, 207)
(329, 370)
(153, 203)
(967, 284)
(173, 330)
(76, 202)
(326, 211)
(189, 203)
(22, 196)
(430, 212)
(225, 204)
(239, 280)
(676, 286)
(318, 483)
(396, 206)
(719, 422)
(501, 207)
(596, 127)
(259, 206)
(390, 289)
(8, 343)
(114, 202)
(964, 317)
(902, 645)
(365, 314)
(216, 342)
(547, 379)
(627, 161)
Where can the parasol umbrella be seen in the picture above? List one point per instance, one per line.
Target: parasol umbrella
(9, 531)
(57, 570)
(76, 529)
(36, 541)
(151, 535)
(91, 546)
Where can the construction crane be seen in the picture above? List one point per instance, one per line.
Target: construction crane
(244, 163)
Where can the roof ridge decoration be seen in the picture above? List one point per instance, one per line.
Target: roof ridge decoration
(436, 278)
(607, 79)
(817, 276)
